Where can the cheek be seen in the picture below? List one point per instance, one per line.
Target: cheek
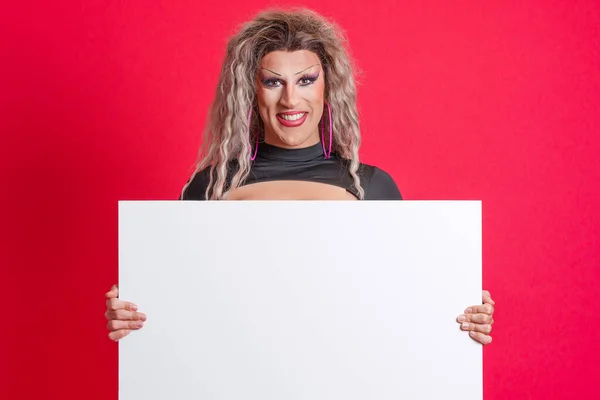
(316, 94)
(265, 101)
(316, 98)
(321, 85)
(266, 98)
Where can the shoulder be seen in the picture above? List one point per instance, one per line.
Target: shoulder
(196, 186)
(378, 184)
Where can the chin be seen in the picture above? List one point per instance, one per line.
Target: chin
(295, 140)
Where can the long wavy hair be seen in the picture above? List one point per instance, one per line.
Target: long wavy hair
(226, 135)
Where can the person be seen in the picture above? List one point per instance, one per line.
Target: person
(284, 125)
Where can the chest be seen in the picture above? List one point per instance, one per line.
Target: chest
(290, 190)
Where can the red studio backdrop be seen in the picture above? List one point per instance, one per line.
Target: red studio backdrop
(500, 101)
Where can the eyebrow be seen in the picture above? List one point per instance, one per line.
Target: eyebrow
(294, 74)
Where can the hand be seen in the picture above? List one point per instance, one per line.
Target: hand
(122, 316)
(478, 320)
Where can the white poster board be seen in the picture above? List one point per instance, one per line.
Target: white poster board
(300, 300)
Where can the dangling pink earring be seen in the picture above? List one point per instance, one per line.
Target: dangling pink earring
(252, 157)
(325, 153)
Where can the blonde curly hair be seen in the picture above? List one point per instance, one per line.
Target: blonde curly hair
(226, 136)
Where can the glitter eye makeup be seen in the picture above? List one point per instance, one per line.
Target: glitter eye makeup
(305, 80)
(309, 79)
(269, 82)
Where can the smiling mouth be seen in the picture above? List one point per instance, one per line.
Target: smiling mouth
(292, 117)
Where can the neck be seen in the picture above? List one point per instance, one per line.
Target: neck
(274, 140)
(272, 152)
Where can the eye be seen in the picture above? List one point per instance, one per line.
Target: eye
(308, 80)
(271, 82)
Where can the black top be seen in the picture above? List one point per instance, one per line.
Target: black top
(308, 164)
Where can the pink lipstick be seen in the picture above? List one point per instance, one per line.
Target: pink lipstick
(292, 123)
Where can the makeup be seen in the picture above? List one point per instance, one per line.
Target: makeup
(294, 122)
(304, 80)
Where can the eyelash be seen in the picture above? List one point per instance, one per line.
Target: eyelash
(311, 79)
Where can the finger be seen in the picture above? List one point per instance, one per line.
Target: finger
(482, 328)
(113, 293)
(487, 298)
(476, 318)
(480, 309)
(115, 325)
(481, 338)
(116, 304)
(124, 315)
(118, 335)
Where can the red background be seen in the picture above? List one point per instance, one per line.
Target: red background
(104, 100)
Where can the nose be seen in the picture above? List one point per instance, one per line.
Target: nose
(290, 98)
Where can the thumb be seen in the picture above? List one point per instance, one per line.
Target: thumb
(114, 292)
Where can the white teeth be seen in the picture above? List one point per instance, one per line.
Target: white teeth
(292, 117)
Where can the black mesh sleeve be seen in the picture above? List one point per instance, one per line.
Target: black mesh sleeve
(381, 186)
(197, 187)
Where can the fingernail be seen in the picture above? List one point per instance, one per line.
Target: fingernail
(472, 333)
(468, 311)
(134, 307)
(465, 325)
(143, 317)
(462, 318)
(139, 324)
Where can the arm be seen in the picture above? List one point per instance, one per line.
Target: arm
(381, 186)
(196, 186)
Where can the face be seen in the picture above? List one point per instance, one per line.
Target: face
(291, 94)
